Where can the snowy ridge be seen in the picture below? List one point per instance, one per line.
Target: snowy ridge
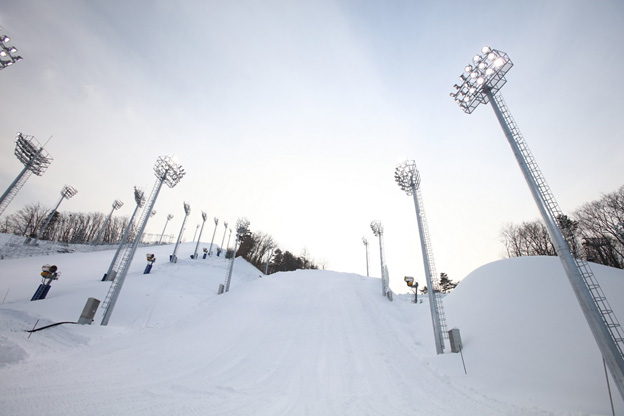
(297, 343)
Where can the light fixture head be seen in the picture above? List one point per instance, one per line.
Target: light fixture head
(486, 75)
(32, 154)
(139, 196)
(407, 177)
(68, 191)
(168, 170)
(117, 204)
(204, 216)
(187, 208)
(377, 228)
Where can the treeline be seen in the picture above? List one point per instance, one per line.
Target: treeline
(72, 228)
(256, 247)
(595, 233)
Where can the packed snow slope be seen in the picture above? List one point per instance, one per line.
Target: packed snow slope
(298, 343)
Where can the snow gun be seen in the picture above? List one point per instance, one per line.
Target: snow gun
(414, 285)
(48, 273)
(150, 261)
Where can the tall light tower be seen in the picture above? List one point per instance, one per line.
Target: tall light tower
(480, 83)
(229, 237)
(66, 193)
(408, 179)
(204, 216)
(225, 224)
(266, 267)
(7, 53)
(116, 205)
(365, 241)
(378, 230)
(139, 198)
(35, 160)
(216, 221)
(169, 172)
(174, 258)
(242, 228)
(169, 217)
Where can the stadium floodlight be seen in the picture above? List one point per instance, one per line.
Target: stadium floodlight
(66, 193)
(378, 230)
(116, 205)
(204, 216)
(216, 221)
(167, 171)
(225, 224)
(408, 179)
(365, 241)
(35, 160)
(169, 217)
(173, 258)
(489, 69)
(139, 198)
(7, 53)
(242, 229)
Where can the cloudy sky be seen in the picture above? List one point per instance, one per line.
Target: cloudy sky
(295, 114)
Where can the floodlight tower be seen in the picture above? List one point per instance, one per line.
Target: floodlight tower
(116, 205)
(480, 84)
(408, 179)
(169, 217)
(187, 210)
(266, 267)
(365, 241)
(204, 216)
(242, 228)
(169, 172)
(35, 160)
(216, 221)
(139, 198)
(66, 193)
(225, 224)
(377, 228)
(228, 244)
(7, 53)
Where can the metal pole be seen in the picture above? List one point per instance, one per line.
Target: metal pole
(224, 233)
(101, 233)
(216, 220)
(174, 258)
(200, 234)
(122, 275)
(601, 334)
(107, 276)
(435, 317)
(266, 268)
(42, 230)
(231, 268)
(164, 228)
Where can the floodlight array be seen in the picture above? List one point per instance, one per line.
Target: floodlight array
(407, 177)
(365, 241)
(117, 204)
(31, 154)
(7, 53)
(139, 197)
(68, 191)
(377, 228)
(486, 72)
(204, 216)
(187, 208)
(168, 170)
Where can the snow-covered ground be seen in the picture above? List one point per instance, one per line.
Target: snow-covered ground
(297, 343)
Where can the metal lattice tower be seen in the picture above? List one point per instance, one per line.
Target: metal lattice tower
(204, 216)
(168, 172)
(242, 228)
(378, 230)
(116, 205)
(173, 258)
(35, 160)
(66, 193)
(481, 82)
(365, 241)
(408, 179)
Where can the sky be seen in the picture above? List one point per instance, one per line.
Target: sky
(295, 114)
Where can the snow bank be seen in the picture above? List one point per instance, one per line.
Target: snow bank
(298, 343)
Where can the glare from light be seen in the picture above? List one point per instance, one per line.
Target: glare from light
(499, 62)
(485, 49)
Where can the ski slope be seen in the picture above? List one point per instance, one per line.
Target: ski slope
(297, 343)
